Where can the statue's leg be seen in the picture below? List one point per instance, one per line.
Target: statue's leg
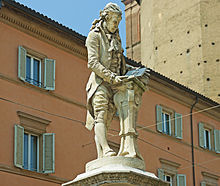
(98, 147)
(101, 135)
(100, 106)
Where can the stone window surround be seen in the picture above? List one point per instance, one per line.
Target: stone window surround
(34, 53)
(210, 179)
(170, 168)
(33, 124)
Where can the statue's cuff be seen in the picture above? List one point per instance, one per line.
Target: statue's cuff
(112, 77)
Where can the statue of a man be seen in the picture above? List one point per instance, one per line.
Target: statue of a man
(106, 60)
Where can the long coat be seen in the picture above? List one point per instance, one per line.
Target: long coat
(99, 61)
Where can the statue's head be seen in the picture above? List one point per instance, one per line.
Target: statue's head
(111, 14)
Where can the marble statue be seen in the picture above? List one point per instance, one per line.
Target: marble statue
(113, 86)
(110, 87)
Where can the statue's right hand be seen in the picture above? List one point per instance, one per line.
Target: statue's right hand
(119, 79)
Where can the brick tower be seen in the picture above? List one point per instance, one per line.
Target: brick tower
(179, 39)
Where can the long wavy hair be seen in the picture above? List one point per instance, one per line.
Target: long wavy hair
(110, 7)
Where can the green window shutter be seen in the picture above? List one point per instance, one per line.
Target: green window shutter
(178, 126)
(203, 183)
(160, 173)
(21, 63)
(201, 135)
(49, 74)
(49, 153)
(217, 140)
(159, 118)
(181, 180)
(18, 146)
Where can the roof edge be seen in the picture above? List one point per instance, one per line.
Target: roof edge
(172, 82)
(43, 18)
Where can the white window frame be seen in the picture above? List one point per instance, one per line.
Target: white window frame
(29, 151)
(164, 122)
(209, 139)
(32, 70)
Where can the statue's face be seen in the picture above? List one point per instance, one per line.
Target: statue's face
(112, 22)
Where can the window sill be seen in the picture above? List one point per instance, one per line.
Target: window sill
(207, 150)
(33, 86)
(170, 136)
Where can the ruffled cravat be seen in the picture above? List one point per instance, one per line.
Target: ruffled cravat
(114, 43)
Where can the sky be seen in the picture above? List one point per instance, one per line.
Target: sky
(75, 14)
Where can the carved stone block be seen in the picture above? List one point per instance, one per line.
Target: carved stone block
(116, 175)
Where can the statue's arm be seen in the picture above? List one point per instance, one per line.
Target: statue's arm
(93, 47)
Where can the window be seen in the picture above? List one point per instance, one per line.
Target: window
(169, 179)
(180, 178)
(169, 122)
(31, 152)
(33, 70)
(209, 138)
(33, 147)
(168, 172)
(36, 69)
(166, 123)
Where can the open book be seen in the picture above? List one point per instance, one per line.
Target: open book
(136, 72)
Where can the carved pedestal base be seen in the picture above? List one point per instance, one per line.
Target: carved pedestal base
(116, 171)
(115, 160)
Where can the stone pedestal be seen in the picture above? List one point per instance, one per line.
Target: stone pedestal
(116, 171)
(115, 161)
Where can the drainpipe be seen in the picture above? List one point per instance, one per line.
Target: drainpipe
(192, 145)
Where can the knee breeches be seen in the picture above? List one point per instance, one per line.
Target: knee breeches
(103, 107)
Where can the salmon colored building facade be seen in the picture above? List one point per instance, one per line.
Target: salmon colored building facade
(43, 108)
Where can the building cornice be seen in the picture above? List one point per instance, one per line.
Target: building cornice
(43, 30)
